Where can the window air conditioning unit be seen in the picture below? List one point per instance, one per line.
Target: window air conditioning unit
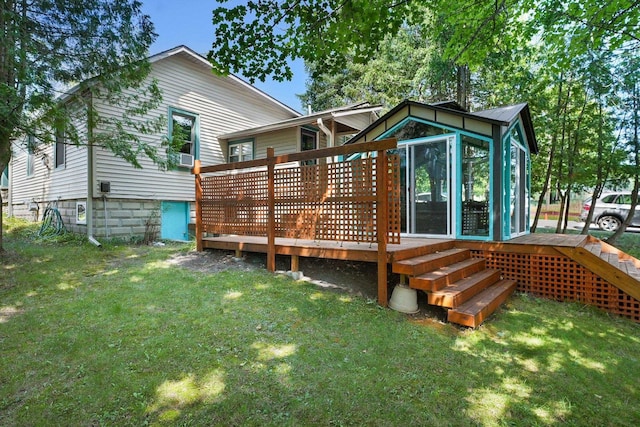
(186, 160)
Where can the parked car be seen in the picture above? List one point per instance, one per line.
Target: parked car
(611, 209)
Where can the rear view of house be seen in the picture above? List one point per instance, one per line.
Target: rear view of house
(125, 201)
(102, 195)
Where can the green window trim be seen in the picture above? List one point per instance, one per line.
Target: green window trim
(190, 123)
(514, 139)
(446, 130)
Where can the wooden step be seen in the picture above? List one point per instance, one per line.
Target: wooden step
(422, 264)
(435, 245)
(463, 290)
(629, 267)
(594, 248)
(473, 312)
(447, 275)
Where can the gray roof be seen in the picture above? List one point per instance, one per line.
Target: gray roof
(502, 116)
(332, 114)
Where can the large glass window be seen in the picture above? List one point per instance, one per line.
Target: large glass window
(413, 129)
(476, 181)
(240, 151)
(518, 193)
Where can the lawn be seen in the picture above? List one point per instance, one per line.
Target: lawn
(118, 336)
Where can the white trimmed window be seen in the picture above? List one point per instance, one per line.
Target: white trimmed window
(240, 151)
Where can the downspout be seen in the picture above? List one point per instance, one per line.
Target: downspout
(90, 162)
(327, 132)
(329, 135)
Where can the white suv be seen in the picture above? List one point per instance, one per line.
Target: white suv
(611, 209)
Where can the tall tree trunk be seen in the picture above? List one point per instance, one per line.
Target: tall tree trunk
(602, 174)
(636, 173)
(1, 217)
(551, 159)
(571, 166)
(559, 173)
(463, 78)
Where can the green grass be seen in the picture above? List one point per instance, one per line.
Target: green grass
(117, 336)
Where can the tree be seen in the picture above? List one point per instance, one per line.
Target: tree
(260, 37)
(630, 127)
(96, 47)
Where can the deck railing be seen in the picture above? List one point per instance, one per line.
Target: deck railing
(305, 195)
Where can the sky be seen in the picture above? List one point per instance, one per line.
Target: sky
(188, 22)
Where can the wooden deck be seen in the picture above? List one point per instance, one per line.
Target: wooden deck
(348, 251)
(409, 247)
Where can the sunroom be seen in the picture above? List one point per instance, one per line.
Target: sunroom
(464, 175)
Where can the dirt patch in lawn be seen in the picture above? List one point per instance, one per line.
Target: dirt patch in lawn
(353, 277)
(346, 276)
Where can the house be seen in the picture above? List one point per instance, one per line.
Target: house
(225, 119)
(439, 194)
(463, 175)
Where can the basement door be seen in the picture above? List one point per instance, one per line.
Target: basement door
(174, 221)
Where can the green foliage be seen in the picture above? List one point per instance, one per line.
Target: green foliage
(59, 57)
(258, 38)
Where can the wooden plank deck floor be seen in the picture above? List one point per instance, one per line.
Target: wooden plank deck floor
(351, 251)
(408, 248)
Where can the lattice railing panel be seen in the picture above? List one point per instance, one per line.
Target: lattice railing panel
(393, 190)
(334, 201)
(235, 203)
(560, 278)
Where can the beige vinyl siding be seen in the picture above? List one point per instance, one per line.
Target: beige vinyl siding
(283, 142)
(222, 105)
(47, 182)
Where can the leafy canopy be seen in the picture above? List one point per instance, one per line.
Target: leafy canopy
(260, 37)
(59, 56)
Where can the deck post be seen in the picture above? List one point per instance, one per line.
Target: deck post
(382, 223)
(271, 218)
(196, 171)
(295, 263)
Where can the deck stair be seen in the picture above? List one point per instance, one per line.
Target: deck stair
(454, 280)
(616, 258)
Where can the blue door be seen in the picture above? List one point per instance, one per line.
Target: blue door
(175, 221)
